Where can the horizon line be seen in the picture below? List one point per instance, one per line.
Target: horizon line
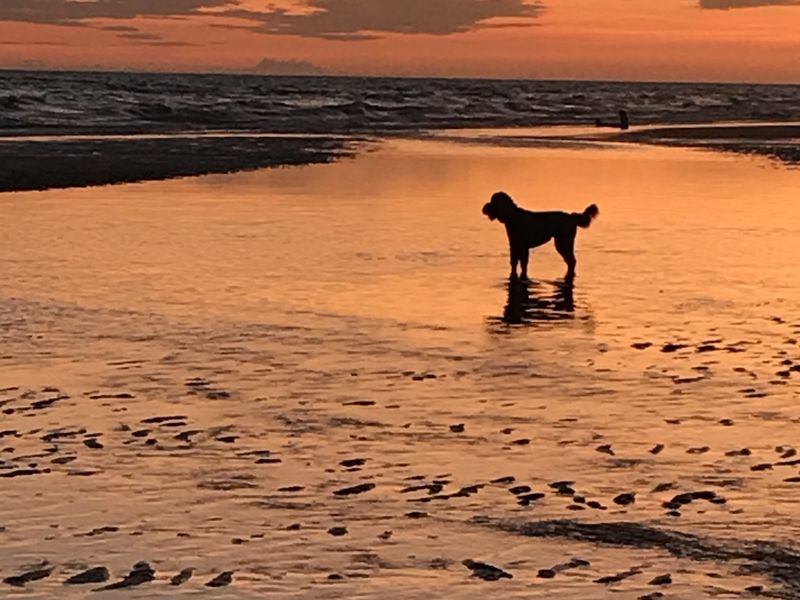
(254, 73)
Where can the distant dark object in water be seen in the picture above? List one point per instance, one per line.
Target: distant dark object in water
(623, 123)
(527, 229)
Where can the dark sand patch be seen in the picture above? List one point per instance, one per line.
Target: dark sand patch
(41, 165)
(777, 141)
(93, 575)
(779, 562)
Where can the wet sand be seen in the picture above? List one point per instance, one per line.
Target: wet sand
(741, 131)
(83, 162)
(778, 141)
(53, 163)
(316, 382)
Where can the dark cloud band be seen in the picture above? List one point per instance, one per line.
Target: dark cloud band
(731, 4)
(356, 19)
(66, 12)
(332, 19)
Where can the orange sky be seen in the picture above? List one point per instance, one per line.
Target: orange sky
(561, 39)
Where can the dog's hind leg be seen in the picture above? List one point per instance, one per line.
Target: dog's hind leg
(523, 258)
(566, 248)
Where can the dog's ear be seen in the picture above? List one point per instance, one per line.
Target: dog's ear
(502, 207)
(502, 201)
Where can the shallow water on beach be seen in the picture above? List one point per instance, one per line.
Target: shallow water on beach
(214, 372)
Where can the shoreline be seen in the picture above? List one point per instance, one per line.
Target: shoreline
(45, 164)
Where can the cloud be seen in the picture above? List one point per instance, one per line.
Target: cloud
(72, 12)
(6, 43)
(360, 19)
(331, 19)
(730, 4)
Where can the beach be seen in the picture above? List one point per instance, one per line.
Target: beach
(319, 379)
(64, 129)
(66, 161)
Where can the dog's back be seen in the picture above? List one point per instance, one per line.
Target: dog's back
(540, 227)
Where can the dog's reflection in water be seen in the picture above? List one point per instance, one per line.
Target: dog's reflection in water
(531, 302)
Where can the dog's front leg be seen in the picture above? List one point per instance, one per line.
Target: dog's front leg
(515, 257)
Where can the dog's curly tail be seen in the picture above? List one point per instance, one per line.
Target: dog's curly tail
(585, 218)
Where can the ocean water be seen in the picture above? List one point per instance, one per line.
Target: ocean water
(219, 372)
(68, 102)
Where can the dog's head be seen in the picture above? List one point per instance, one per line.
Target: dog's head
(500, 207)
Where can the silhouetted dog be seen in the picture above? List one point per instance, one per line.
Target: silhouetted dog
(528, 230)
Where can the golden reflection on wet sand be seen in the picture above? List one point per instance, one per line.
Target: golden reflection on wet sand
(308, 330)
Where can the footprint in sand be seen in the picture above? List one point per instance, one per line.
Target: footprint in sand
(93, 575)
(221, 580)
